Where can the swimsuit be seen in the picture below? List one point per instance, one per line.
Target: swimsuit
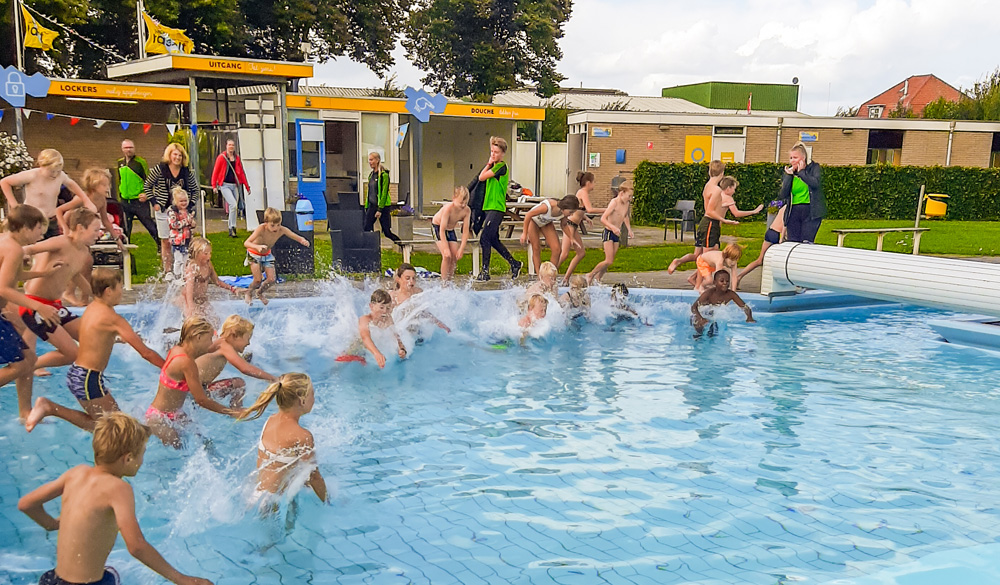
(228, 384)
(709, 231)
(110, 577)
(704, 268)
(168, 382)
(12, 346)
(265, 261)
(38, 325)
(546, 218)
(772, 236)
(449, 235)
(53, 230)
(272, 457)
(86, 384)
(609, 236)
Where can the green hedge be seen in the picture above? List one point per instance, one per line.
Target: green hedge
(852, 192)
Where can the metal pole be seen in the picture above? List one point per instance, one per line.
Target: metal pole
(538, 158)
(139, 9)
(263, 152)
(19, 49)
(193, 149)
(418, 146)
(920, 203)
(283, 121)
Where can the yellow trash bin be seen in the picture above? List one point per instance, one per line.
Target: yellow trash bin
(935, 205)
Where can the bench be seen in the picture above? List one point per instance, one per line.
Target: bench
(407, 247)
(916, 231)
(126, 258)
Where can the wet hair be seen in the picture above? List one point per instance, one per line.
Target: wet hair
(584, 177)
(716, 168)
(728, 182)
(80, 216)
(801, 148)
(185, 160)
(569, 203)
(548, 269)
(92, 178)
(236, 326)
(101, 279)
(49, 157)
(289, 389)
(197, 246)
(117, 434)
(25, 217)
(461, 192)
(272, 215)
(193, 327)
(403, 268)
(577, 281)
(380, 297)
(499, 143)
(732, 252)
(536, 300)
(619, 289)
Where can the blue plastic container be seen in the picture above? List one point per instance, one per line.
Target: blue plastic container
(304, 215)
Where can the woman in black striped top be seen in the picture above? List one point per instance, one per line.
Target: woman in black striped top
(172, 171)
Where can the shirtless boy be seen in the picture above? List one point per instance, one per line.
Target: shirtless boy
(97, 504)
(611, 219)
(259, 254)
(380, 316)
(710, 221)
(100, 326)
(25, 225)
(718, 295)
(41, 189)
(72, 252)
(444, 223)
(97, 186)
(714, 261)
(234, 337)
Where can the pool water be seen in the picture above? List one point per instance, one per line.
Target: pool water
(811, 447)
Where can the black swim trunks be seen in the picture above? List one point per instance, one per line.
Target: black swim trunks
(449, 235)
(110, 578)
(86, 384)
(53, 229)
(38, 325)
(609, 236)
(709, 231)
(11, 345)
(771, 236)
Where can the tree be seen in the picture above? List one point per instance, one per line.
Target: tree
(901, 111)
(480, 47)
(554, 127)
(982, 102)
(848, 112)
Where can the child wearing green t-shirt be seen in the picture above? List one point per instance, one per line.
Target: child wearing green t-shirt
(496, 176)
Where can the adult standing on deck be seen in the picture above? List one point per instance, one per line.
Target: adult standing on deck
(803, 196)
(496, 175)
(227, 176)
(377, 200)
(132, 172)
(172, 171)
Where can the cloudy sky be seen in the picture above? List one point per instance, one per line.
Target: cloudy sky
(842, 51)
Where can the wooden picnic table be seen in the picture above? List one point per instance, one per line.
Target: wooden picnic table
(916, 231)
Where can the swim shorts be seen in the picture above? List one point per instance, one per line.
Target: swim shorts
(704, 268)
(86, 384)
(226, 385)
(11, 345)
(38, 325)
(110, 578)
(449, 235)
(708, 233)
(609, 236)
(266, 261)
(177, 416)
(771, 236)
(53, 230)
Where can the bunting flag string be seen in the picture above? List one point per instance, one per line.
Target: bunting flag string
(26, 112)
(98, 123)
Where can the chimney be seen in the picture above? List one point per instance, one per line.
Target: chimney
(906, 87)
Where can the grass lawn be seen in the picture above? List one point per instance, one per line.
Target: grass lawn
(953, 238)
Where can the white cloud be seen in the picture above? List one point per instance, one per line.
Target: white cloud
(843, 52)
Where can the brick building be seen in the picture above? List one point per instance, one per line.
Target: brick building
(913, 93)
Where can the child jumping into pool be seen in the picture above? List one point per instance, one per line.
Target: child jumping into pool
(97, 504)
(178, 378)
(380, 315)
(707, 235)
(234, 337)
(285, 447)
(712, 261)
(716, 296)
(259, 255)
(405, 287)
(198, 274)
(100, 328)
(444, 223)
(612, 218)
(546, 284)
(576, 301)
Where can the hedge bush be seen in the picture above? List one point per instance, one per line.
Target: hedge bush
(852, 192)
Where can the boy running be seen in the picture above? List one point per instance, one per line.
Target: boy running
(97, 504)
(444, 223)
(612, 218)
(381, 317)
(718, 295)
(709, 223)
(259, 255)
(234, 337)
(100, 326)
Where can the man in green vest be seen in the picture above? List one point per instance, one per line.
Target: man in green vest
(496, 176)
(131, 172)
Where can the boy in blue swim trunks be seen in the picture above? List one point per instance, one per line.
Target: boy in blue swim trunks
(612, 219)
(444, 223)
(100, 326)
(97, 504)
(259, 256)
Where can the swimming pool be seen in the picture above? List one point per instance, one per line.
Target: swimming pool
(815, 447)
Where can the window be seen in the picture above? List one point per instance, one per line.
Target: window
(875, 111)
(885, 156)
(995, 151)
(885, 147)
(729, 130)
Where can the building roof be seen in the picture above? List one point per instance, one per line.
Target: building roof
(732, 95)
(914, 92)
(584, 99)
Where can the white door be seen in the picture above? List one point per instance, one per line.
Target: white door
(729, 149)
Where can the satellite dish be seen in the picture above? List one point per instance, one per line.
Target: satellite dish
(795, 81)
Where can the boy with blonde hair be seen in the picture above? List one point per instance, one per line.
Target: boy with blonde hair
(616, 213)
(97, 504)
(707, 235)
(444, 223)
(234, 337)
(546, 283)
(41, 189)
(259, 256)
(711, 262)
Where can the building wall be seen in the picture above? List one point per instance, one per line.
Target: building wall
(455, 150)
(833, 146)
(761, 144)
(925, 148)
(971, 149)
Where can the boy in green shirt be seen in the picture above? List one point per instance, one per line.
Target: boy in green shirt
(496, 176)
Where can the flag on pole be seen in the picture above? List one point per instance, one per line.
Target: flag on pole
(163, 39)
(36, 36)
(749, 101)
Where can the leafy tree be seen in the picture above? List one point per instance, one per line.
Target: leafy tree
(480, 47)
(901, 111)
(554, 127)
(981, 102)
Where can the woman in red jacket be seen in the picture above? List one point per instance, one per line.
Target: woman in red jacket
(228, 171)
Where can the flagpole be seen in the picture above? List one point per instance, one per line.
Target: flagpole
(19, 48)
(139, 8)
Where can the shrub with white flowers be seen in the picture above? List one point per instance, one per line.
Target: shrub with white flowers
(14, 156)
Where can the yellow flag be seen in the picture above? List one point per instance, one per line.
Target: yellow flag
(36, 36)
(163, 39)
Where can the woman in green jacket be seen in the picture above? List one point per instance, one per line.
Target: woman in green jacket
(377, 200)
